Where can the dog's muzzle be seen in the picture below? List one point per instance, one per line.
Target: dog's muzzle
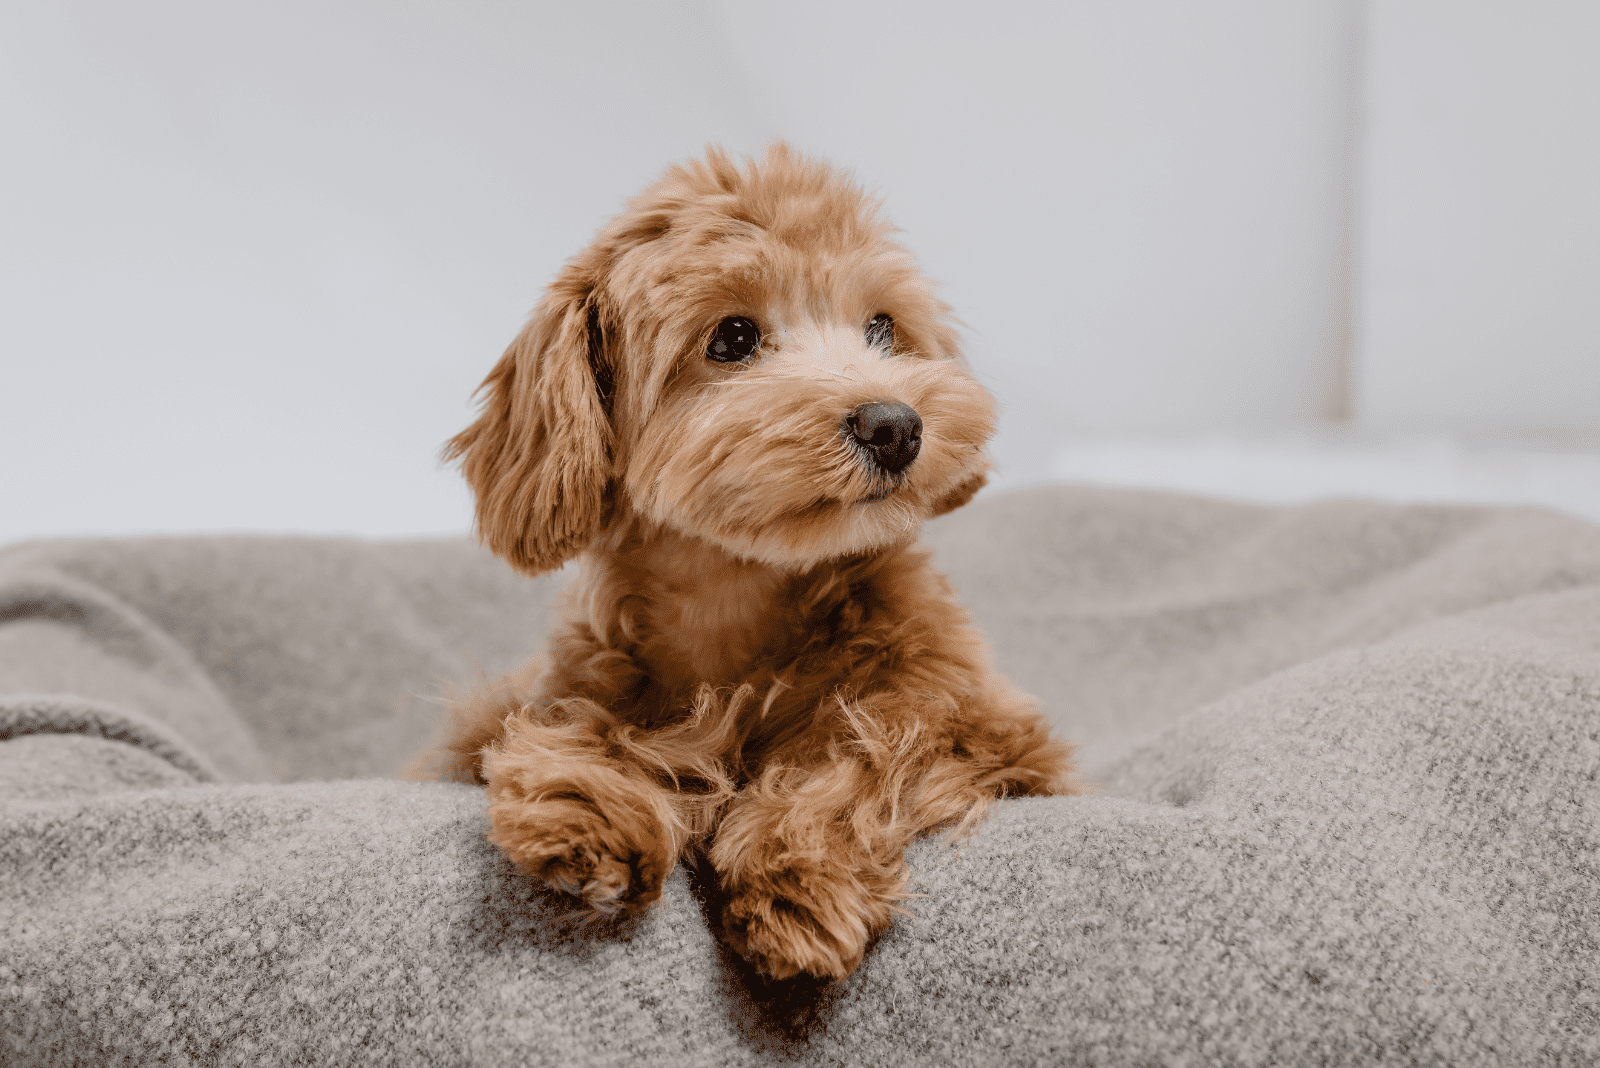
(889, 434)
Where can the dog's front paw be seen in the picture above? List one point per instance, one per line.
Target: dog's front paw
(576, 868)
(804, 922)
(570, 845)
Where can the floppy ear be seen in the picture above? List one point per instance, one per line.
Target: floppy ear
(963, 493)
(539, 456)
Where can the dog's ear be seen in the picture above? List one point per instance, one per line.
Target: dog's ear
(539, 456)
(963, 493)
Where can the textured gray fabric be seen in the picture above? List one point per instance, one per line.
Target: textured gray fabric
(1349, 760)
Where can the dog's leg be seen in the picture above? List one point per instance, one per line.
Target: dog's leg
(594, 805)
(577, 810)
(811, 854)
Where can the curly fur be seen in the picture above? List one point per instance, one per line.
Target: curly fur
(755, 658)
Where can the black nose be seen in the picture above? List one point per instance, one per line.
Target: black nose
(891, 433)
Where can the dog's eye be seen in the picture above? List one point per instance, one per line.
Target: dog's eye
(736, 338)
(880, 332)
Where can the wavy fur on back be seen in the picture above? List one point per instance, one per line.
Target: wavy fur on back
(755, 658)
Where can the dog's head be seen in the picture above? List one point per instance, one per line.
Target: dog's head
(745, 356)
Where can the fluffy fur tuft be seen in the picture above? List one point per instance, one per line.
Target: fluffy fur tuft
(755, 658)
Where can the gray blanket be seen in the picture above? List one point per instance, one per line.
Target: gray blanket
(1348, 811)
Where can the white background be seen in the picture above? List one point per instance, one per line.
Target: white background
(254, 258)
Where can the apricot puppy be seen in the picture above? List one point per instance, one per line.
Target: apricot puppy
(739, 405)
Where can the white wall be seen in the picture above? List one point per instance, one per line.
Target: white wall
(1480, 263)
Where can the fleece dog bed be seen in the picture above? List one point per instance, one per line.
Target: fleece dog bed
(1348, 811)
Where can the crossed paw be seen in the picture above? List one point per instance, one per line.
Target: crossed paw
(573, 847)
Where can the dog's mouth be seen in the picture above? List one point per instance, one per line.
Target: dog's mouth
(882, 488)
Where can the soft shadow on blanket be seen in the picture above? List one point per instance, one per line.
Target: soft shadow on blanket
(1349, 810)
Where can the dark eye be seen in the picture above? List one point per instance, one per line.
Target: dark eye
(736, 338)
(880, 332)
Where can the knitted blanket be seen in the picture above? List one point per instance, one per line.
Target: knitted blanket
(1348, 811)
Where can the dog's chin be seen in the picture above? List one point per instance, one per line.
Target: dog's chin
(800, 538)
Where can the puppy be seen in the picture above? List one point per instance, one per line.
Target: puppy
(738, 406)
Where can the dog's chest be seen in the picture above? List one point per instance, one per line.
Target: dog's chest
(711, 628)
